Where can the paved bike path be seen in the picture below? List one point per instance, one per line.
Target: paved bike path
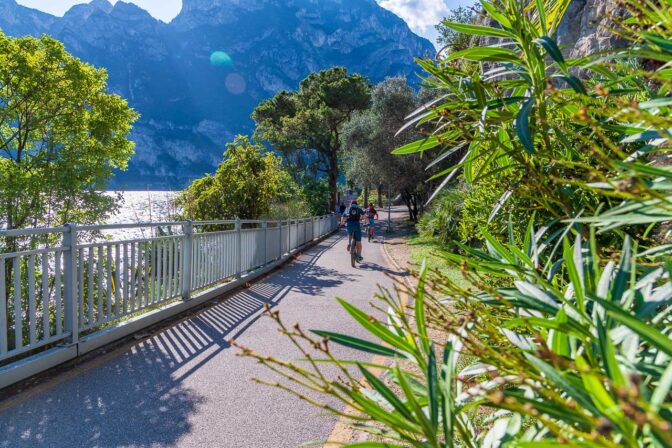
(185, 386)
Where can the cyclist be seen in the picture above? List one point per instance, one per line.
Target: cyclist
(341, 210)
(353, 215)
(372, 214)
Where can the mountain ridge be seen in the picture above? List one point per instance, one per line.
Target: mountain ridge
(196, 79)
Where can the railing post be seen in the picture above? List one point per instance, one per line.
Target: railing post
(239, 249)
(70, 283)
(187, 252)
(280, 236)
(264, 225)
(289, 236)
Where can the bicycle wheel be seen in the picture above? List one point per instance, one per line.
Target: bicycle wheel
(353, 253)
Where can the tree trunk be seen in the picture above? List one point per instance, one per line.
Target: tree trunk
(366, 196)
(380, 196)
(414, 201)
(407, 200)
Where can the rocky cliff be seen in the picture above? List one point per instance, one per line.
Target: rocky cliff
(586, 27)
(196, 80)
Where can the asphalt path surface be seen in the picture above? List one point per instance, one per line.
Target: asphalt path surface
(184, 386)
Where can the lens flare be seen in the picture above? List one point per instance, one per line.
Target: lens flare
(235, 84)
(220, 59)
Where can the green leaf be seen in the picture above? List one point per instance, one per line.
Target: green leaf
(420, 307)
(560, 324)
(376, 328)
(433, 389)
(604, 402)
(376, 411)
(541, 10)
(491, 54)
(448, 402)
(358, 344)
(656, 39)
(573, 82)
(663, 388)
(386, 393)
(656, 103)
(553, 51)
(609, 354)
(373, 445)
(479, 30)
(620, 282)
(495, 14)
(641, 136)
(564, 384)
(534, 292)
(446, 154)
(560, 340)
(496, 248)
(645, 331)
(418, 146)
(523, 126)
(412, 402)
(574, 265)
(559, 412)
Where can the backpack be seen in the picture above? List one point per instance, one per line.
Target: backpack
(354, 214)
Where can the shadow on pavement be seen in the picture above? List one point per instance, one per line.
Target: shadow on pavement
(369, 266)
(144, 384)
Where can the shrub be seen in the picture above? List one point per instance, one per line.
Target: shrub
(442, 219)
(248, 182)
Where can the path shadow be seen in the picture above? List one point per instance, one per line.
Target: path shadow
(138, 396)
(370, 266)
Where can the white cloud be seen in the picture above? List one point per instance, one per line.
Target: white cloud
(421, 15)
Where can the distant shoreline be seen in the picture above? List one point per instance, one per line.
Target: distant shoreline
(150, 189)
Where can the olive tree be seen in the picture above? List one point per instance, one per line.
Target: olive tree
(372, 135)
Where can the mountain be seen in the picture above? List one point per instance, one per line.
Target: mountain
(587, 27)
(197, 79)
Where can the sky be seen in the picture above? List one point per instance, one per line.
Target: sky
(421, 15)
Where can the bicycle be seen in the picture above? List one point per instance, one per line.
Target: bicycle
(354, 258)
(371, 232)
(353, 253)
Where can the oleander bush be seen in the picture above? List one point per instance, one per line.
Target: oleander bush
(563, 336)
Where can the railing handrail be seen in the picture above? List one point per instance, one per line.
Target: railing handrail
(30, 231)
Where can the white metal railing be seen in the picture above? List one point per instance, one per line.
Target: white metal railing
(69, 288)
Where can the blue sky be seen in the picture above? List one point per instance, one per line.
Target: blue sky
(421, 15)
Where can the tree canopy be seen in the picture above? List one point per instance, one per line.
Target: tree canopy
(247, 183)
(61, 135)
(306, 125)
(371, 136)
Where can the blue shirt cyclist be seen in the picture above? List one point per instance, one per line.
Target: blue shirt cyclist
(353, 215)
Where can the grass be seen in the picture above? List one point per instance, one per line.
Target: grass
(426, 248)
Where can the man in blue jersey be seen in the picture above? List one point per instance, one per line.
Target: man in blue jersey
(353, 215)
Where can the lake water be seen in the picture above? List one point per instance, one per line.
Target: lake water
(139, 207)
(144, 206)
